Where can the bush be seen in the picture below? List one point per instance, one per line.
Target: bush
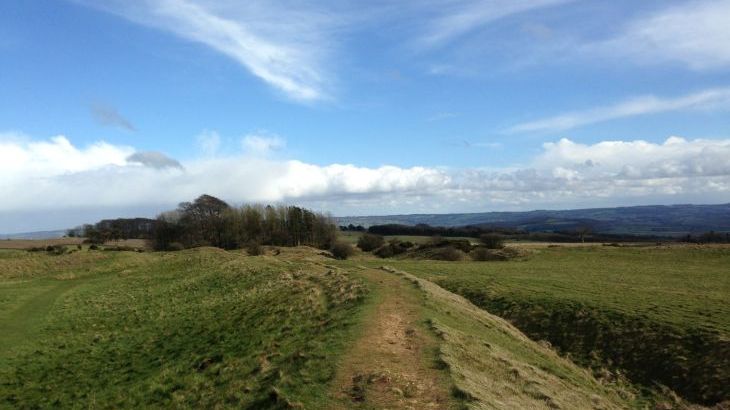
(342, 250)
(463, 245)
(93, 247)
(253, 248)
(385, 251)
(447, 253)
(492, 241)
(369, 242)
(483, 254)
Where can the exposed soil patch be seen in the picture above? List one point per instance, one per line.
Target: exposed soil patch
(392, 364)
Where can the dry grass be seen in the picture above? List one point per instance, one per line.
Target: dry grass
(42, 243)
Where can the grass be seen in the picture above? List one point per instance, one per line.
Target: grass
(659, 313)
(494, 366)
(211, 328)
(199, 328)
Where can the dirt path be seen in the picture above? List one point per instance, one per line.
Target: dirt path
(392, 365)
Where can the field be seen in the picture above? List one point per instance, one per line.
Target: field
(297, 329)
(42, 243)
(655, 312)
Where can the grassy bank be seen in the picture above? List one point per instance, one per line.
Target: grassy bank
(658, 314)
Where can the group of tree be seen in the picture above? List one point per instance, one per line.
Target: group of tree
(708, 237)
(209, 221)
(115, 229)
(580, 234)
(470, 231)
(352, 228)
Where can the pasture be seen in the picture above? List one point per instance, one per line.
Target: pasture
(294, 328)
(657, 313)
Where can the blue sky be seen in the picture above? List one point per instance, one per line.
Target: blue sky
(360, 107)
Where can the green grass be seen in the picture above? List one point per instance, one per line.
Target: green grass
(199, 328)
(681, 286)
(661, 314)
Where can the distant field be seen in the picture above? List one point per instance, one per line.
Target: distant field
(660, 304)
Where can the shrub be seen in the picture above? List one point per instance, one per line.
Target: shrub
(385, 251)
(492, 241)
(93, 247)
(463, 245)
(447, 253)
(482, 254)
(342, 250)
(254, 248)
(369, 242)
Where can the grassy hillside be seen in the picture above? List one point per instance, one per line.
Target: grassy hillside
(199, 328)
(295, 329)
(658, 313)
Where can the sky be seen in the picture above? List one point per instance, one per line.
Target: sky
(117, 108)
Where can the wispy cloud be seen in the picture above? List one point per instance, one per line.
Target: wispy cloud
(717, 98)
(261, 144)
(108, 115)
(456, 18)
(696, 33)
(280, 44)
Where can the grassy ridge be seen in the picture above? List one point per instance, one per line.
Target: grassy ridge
(494, 366)
(199, 328)
(658, 313)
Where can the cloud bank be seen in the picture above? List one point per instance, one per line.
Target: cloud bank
(54, 174)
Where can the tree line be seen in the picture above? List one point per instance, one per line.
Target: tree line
(209, 221)
(115, 229)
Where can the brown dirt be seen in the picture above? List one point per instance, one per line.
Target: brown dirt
(392, 365)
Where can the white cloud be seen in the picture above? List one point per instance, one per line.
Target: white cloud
(695, 33)
(282, 44)
(261, 145)
(208, 142)
(455, 18)
(37, 176)
(716, 98)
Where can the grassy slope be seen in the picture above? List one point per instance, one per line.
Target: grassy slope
(205, 327)
(659, 312)
(494, 366)
(199, 328)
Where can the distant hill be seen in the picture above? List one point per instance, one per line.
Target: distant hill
(659, 220)
(34, 235)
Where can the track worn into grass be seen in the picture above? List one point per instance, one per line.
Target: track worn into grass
(392, 364)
